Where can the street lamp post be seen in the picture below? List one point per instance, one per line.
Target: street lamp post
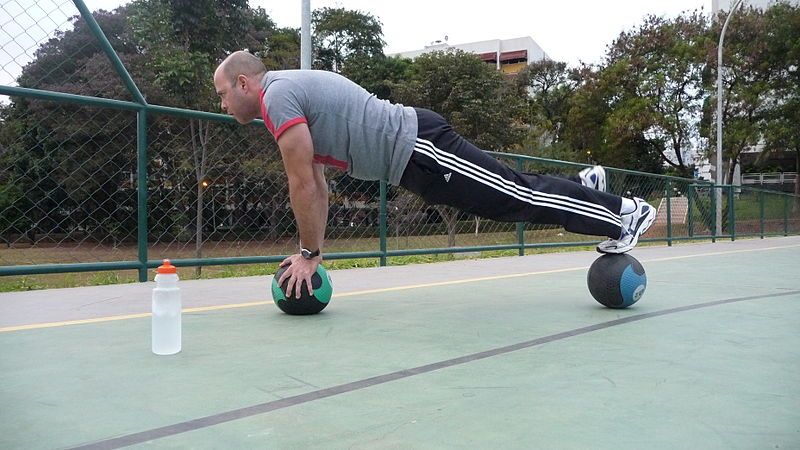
(718, 190)
(305, 35)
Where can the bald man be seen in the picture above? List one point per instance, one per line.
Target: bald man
(322, 119)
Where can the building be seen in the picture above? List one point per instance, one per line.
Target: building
(509, 56)
(724, 5)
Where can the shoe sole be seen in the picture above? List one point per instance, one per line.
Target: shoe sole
(601, 180)
(648, 222)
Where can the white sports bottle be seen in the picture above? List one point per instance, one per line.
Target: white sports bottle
(166, 311)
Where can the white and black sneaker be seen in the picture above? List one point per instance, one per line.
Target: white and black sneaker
(634, 224)
(593, 177)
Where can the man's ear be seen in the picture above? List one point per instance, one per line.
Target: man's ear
(241, 81)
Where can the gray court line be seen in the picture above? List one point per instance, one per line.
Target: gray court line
(261, 408)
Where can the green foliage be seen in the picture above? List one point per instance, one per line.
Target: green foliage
(470, 94)
(640, 108)
(547, 86)
(11, 198)
(745, 82)
(283, 50)
(340, 34)
(781, 118)
(184, 39)
(377, 74)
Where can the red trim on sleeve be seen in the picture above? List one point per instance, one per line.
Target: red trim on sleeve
(333, 162)
(270, 125)
(289, 123)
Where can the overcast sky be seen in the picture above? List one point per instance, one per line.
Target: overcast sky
(567, 30)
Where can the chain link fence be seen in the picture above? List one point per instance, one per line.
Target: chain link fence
(75, 168)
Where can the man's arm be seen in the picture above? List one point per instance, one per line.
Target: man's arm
(309, 199)
(322, 187)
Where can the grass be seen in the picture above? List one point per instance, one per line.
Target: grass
(748, 207)
(55, 254)
(59, 254)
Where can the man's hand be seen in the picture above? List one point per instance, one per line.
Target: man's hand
(299, 270)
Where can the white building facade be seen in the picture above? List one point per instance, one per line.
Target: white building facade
(508, 55)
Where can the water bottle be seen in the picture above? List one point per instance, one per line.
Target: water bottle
(166, 311)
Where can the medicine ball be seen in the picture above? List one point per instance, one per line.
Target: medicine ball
(617, 280)
(306, 304)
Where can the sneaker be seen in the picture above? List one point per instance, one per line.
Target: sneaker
(634, 224)
(593, 177)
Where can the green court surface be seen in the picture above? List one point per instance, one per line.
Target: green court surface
(494, 353)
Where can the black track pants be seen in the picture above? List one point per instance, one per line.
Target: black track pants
(446, 169)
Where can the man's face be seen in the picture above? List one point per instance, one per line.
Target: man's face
(235, 99)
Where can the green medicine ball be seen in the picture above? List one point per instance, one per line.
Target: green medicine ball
(306, 304)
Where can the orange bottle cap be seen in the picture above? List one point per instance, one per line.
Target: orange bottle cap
(166, 268)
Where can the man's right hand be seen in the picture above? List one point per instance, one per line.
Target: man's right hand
(299, 270)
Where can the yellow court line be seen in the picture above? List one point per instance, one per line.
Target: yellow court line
(543, 272)
(672, 258)
(35, 326)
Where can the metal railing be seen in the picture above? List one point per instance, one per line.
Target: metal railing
(770, 178)
(110, 182)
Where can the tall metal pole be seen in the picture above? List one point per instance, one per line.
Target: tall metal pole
(305, 35)
(718, 191)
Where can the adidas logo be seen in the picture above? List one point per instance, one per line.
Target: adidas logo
(447, 177)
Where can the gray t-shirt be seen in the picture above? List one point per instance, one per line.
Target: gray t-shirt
(352, 130)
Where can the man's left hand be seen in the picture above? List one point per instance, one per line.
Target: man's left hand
(299, 270)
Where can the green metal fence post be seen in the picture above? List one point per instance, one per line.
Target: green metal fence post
(669, 213)
(383, 217)
(141, 132)
(731, 214)
(713, 192)
(520, 225)
(141, 190)
(689, 215)
(761, 212)
(785, 215)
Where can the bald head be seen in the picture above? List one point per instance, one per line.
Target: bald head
(241, 63)
(237, 81)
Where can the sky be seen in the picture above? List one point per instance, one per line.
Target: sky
(567, 30)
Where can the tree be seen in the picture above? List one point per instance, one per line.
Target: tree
(606, 123)
(782, 114)
(50, 150)
(641, 105)
(664, 61)
(588, 110)
(548, 86)
(184, 39)
(745, 84)
(472, 96)
(283, 50)
(378, 74)
(340, 34)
